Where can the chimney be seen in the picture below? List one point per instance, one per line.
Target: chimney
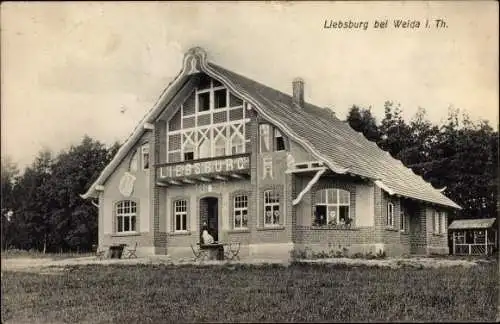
(298, 92)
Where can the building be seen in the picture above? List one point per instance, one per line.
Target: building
(474, 236)
(263, 168)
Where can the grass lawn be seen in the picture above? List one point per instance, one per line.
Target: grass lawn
(243, 293)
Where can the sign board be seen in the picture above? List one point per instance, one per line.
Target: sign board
(206, 167)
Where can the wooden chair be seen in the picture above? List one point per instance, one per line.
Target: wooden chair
(199, 253)
(130, 252)
(232, 251)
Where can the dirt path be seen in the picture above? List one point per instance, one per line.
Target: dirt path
(48, 265)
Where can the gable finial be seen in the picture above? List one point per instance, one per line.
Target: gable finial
(194, 58)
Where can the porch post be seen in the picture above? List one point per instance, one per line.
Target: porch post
(453, 249)
(486, 240)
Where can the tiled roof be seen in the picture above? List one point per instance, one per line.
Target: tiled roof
(331, 140)
(472, 223)
(336, 141)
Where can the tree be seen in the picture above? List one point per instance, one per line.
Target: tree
(9, 174)
(395, 133)
(48, 213)
(362, 120)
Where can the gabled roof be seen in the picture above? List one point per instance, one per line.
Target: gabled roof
(326, 137)
(481, 223)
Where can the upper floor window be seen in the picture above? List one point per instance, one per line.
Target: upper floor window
(271, 207)
(145, 156)
(134, 162)
(279, 141)
(270, 139)
(126, 214)
(180, 215)
(220, 98)
(211, 122)
(264, 138)
(389, 222)
(331, 207)
(241, 211)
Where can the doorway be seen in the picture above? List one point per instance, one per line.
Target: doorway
(209, 216)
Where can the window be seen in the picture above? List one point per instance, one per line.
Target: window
(204, 149)
(279, 142)
(126, 213)
(443, 224)
(403, 220)
(264, 135)
(435, 221)
(390, 215)
(331, 207)
(220, 146)
(204, 101)
(271, 207)
(145, 156)
(180, 215)
(133, 162)
(220, 99)
(479, 237)
(237, 145)
(241, 211)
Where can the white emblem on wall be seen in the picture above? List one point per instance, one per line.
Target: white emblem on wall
(126, 185)
(267, 167)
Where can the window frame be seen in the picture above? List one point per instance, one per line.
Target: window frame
(277, 134)
(182, 213)
(389, 217)
(265, 138)
(336, 205)
(404, 220)
(436, 226)
(131, 215)
(240, 209)
(145, 152)
(443, 222)
(272, 203)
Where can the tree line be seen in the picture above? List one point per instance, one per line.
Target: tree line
(42, 209)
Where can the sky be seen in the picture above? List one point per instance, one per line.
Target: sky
(75, 68)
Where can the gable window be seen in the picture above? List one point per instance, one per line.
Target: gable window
(204, 101)
(331, 207)
(134, 162)
(126, 214)
(220, 146)
(390, 215)
(240, 211)
(264, 136)
(145, 156)
(279, 142)
(237, 145)
(271, 207)
(220, 98)
(180, 215)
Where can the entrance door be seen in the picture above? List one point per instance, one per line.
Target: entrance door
(209, 216)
